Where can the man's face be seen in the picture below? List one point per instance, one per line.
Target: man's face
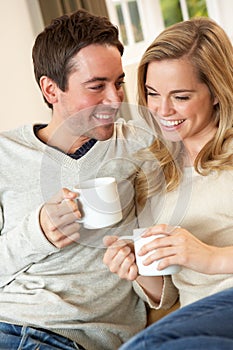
(89, 105)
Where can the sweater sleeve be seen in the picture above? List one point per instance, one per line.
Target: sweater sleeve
(22, 246)
(169, 295)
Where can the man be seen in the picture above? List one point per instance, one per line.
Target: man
(55, 291)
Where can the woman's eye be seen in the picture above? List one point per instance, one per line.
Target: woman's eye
(150, 93)
(182, 98)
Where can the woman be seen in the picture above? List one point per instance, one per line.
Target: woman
(185, 78)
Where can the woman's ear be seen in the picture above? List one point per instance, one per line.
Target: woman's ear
(215, 102)
(49, 89)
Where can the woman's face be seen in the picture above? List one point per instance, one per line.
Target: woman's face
(181, 104)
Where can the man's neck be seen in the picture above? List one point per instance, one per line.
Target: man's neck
(58, 139)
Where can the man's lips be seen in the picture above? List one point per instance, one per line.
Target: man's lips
(104, 116)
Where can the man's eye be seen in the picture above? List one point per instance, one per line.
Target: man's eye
(96, 87)
(119, 84)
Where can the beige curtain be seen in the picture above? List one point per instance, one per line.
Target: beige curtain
(54, 8)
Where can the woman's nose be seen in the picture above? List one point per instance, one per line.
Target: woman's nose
(165, 108)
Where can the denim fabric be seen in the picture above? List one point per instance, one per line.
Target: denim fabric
(205, 324)
(14, 337)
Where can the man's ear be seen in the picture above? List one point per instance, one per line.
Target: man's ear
(49, 89)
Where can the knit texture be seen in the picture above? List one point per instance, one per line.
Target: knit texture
(69, 291)
(203, 206)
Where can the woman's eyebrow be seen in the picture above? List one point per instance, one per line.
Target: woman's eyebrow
(172, 91)
(149, 87)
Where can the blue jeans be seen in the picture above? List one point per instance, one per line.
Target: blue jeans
(14, 337)
(205, 324)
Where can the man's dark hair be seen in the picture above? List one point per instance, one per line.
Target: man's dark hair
(60, 41)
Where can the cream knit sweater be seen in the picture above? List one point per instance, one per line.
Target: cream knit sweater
(204, 206)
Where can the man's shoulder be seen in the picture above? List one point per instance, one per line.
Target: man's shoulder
(16, 134)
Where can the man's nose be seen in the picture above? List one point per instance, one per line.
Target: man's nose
(113, 97)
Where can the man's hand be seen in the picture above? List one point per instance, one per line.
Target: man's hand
(57, 219)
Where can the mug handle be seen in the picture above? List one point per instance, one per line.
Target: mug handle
(126, 237)
(81, 221)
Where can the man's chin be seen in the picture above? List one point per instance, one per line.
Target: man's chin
(103, 133)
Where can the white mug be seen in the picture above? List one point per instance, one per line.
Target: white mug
(99, 202)
(149, 270)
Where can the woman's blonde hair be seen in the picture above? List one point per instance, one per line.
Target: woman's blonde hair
(205, 44)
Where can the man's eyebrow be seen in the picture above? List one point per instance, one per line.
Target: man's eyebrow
(95, 79)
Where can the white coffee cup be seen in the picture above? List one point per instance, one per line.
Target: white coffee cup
(149, 270)
(99, 202)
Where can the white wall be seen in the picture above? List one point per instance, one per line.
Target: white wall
(21, 100)
(221, 11)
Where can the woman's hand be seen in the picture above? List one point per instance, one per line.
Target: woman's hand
(120, 258)
(180, 247)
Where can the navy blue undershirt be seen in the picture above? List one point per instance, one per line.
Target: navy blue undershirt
(80, 152)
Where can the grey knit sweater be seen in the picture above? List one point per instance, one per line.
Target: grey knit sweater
(69, 291)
